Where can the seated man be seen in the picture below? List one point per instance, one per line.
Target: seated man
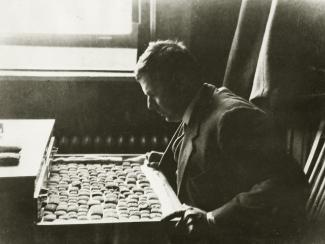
(223, 161)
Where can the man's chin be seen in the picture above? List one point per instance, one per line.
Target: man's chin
(171, 119)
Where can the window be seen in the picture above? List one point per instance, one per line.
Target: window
(67, 35)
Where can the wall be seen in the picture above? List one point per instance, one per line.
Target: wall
(206, 27)
(113, 115)
(213, 26)
(110, 116)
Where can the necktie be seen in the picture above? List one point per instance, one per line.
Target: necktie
(181, 149)
(178, 143)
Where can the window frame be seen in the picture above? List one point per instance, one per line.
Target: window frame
(139, 38)
(72, 40)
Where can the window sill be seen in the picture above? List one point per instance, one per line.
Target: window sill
(28, 75)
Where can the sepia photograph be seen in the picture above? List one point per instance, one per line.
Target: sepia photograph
(162, 121)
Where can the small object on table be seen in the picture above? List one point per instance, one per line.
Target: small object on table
(9, 153)
(7, 148)
(9, 159)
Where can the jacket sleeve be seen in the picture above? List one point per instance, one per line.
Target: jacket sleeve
(275, 188)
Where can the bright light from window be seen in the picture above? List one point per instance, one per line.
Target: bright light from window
(67, 58)
(66, 16)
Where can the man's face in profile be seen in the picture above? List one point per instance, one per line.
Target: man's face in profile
(162, 99)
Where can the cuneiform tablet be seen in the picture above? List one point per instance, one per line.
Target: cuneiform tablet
(92, 191)
(49, 217)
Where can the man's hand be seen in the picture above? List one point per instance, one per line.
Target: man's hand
(153, 158)
(193, 222)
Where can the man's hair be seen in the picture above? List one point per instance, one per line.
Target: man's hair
(167, 58)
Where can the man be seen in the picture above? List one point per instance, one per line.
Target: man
(223, 161)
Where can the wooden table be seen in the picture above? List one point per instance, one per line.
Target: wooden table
(32, 136)
(17, 182)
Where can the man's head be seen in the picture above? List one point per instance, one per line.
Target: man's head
(169, 76)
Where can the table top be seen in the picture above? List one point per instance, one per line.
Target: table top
(32, 135)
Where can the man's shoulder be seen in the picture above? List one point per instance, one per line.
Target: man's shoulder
(224, 103)
(225, 100)
(216, 103)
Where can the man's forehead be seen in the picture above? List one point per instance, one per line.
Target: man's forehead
(145, 83)
(148, 83)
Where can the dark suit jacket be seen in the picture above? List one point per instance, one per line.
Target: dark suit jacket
(235, 169)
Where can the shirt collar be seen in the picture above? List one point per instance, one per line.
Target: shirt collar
(189, 110)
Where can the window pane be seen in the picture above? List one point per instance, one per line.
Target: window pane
(66, 16)
(67, 58)
(67, 35)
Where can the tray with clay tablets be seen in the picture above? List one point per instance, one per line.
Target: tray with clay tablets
(101, 188)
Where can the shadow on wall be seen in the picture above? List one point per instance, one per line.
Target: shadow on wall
(213, 25)
(112, 114)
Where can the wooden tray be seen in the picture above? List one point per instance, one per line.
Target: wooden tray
(167, 197)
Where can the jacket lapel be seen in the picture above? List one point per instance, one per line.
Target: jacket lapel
(192, 131)
(187, 149)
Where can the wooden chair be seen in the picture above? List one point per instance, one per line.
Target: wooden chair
(315, 171)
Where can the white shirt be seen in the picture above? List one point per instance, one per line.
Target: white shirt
(189, 110)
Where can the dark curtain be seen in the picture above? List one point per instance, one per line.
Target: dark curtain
(278, 52)
(246, 45)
